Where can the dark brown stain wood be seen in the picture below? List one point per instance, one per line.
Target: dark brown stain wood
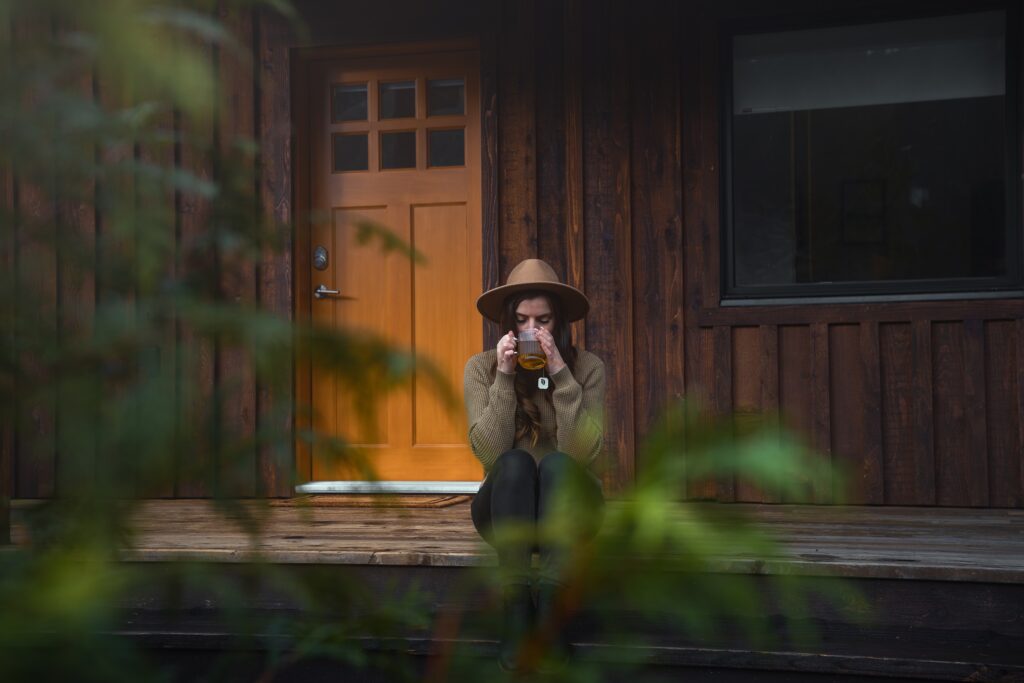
(897, 368)
(821, 403)
(572, 81)
(700, 391)
(608, 253)
(490, 163)
(7, 320)
(275, 462)
(951, 469)
(722, 398)
(922, 427)
(848, 394)
(872, 455)
(656, 215)
(236, 377)
(977, 454)
(747, 382)
(550, 129)
(1004, 445)
(794, 397)
(517, 134)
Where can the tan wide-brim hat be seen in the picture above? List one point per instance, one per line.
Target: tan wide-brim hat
(533, 275)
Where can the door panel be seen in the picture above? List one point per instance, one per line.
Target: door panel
(429, 307)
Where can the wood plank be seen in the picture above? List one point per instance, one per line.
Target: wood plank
(36, 306)
(1020, 396)
(821, 402)
(303, 234)
(848, 395)
(518, 134)
(656, 214)
(872, 467)
(709, 116)
(197, 467)
(8, 245)
(851, 313)
(795, 392)
(747, 380)
(700, 369)
(76, 217)
(722, 372)
(275, 460)
(897, 369)
(573, 109)
(951, 448)
(692, 151)
(490, 162)
(1004, 446)
(236, 378)
(550, 128)
(977, 454)
(923, 417)
(608, 245)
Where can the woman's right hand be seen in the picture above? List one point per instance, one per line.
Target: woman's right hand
(507, 354)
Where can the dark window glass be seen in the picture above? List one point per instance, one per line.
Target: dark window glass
(446, 97)
(398, 150)
(351, 152)
(869, 153)
(398, 100)
(349, 103)
(447, 147)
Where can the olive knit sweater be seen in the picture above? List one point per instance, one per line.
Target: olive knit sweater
(573, 424)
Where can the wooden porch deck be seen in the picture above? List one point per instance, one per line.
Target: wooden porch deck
(946, 544)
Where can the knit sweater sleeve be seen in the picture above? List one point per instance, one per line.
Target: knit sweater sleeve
(490, 409)
(579, 410)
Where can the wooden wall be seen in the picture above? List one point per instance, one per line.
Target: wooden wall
(253, 108)
(601, 155)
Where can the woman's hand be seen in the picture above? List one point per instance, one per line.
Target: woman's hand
(547, 343)
(507, 354)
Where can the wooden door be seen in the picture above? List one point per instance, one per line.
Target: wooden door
(395, 140)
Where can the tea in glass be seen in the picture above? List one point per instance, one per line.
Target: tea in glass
(531, 356)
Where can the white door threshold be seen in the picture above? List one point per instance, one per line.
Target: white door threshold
(393, 487)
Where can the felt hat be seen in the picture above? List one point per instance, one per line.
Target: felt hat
(533, 275)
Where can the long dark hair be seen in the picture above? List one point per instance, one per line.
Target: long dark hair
(527, 413)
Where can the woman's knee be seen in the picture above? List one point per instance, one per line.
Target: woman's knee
(515, 465)
(555, 465)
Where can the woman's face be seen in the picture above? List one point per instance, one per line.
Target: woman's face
(534, 313)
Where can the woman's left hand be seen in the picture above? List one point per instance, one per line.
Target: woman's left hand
(547, 343)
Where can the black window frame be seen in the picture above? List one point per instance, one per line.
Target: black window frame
(1007, 286)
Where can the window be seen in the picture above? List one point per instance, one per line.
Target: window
(872, 159)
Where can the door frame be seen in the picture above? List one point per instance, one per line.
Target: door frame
(302, 62)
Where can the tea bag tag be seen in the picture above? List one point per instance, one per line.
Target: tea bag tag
(542, 382)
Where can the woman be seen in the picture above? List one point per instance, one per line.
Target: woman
(536, 432)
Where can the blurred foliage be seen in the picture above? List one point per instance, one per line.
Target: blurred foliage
(109, 120)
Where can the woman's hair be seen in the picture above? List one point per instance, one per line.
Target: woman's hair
(527, 413)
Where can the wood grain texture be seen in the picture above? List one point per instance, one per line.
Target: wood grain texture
(821, 402)
(747, 386)
(275, 459)
(608, 246)
(850, 313)
(794, 353)
(550, 127)
(7, 321)
(197, 466)
(700, 390)
(951, 448)
(1004, 445)
(236, 389)
(977, 455)
(656, 214)
(490, 161)
(872, 467)
(897, 369)
(722, 372)
(923, 452)
(572, 81)
(76, 278)
(517, 134)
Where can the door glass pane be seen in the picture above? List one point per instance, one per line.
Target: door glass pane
(398, 150)
(348, 103)
(447, 147)
(351, 152)
(870, 153)
(398, 100)
(446, 97)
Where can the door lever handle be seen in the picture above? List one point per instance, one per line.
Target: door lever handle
(322, 292)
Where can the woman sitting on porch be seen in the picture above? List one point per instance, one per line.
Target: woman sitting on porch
(536, 431)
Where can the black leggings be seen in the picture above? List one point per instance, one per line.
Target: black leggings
(520, 490)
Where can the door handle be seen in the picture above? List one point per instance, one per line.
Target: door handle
(322, 292)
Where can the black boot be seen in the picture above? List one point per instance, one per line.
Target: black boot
(553, 622)
(518, 618)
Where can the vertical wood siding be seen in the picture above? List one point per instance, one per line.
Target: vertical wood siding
(601, 155)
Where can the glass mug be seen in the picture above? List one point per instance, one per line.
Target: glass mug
(531, 356)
